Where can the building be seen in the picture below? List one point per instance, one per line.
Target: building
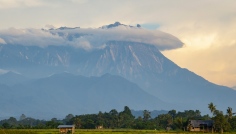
(99, 127)
(200, 125)
(65, 129)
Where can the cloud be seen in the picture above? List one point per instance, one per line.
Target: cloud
(151, 26)
(5, 4)
(2, 41)
(30, 37)
(89, 38)
(97, 37)
(210, 43)
(48, 26)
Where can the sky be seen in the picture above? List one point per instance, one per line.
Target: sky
(206, 27)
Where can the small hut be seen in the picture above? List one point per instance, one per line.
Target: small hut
(200, 125)
(99, 127)
(65, 129)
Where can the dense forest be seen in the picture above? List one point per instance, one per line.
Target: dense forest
(124, 119)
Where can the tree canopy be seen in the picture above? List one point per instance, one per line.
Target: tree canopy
(125, 119)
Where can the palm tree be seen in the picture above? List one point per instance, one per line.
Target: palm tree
(229, 112)
(212, 107)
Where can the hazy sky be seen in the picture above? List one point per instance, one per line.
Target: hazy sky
(206, 27)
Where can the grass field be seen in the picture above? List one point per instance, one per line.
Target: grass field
(90, 131)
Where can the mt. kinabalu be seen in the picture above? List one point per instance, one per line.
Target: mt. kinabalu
(138, 61)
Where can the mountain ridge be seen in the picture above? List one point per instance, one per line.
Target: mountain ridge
(45, 96)
(129, 57)
(140, 63)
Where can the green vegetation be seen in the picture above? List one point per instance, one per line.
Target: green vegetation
(122, 122)
(94, 131)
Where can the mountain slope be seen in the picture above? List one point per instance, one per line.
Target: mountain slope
(146, 66)
(140, 63)
(61, 94)
(129, 57)
(11, 78)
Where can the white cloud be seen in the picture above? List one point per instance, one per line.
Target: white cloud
(48, 26)
(30, 37)
(5, 4)
(2, 41)
(98, 37)
(89, 38)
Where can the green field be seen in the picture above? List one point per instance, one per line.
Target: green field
(90, 131)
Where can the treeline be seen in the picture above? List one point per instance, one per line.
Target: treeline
(124, 119)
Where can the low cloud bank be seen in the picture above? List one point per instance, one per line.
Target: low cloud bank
(88, 38)
(30, 37)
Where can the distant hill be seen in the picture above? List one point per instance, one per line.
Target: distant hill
(11, 78)
(64, 93)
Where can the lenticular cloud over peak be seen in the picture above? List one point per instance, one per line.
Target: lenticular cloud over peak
(89, 38)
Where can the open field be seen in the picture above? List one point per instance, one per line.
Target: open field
(90, 131)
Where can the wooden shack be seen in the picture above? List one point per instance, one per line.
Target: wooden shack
(200, 125)
(99, 127)
(65, 129)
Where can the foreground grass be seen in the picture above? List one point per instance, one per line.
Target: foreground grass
(95, 131)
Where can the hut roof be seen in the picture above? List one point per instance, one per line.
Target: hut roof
(197, 123)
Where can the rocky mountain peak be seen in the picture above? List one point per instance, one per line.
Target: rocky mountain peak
(117, 24)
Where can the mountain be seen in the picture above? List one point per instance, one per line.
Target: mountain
(140, 63)
(37, 62)
(64, 93)
(134, 57)
(118, 24)
(145, 65)
(11, 78)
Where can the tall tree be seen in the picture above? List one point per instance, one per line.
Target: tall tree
(173, 114)
(114, 118)
(77, 121)
(212, 107)
(67, 119)
(197, 113)
(22, 117)
(12, 121)
(69, 116)
(221, 123)
(100, 119)
(164, 121)
(230, 112)
(179, 122)
(126, 118)
(146, 115)
(233, 123)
